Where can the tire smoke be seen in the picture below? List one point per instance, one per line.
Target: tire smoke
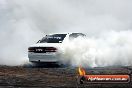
(108, 49)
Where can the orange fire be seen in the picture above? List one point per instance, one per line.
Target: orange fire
(81, 71)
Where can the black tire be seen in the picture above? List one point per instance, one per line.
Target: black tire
(46, 64)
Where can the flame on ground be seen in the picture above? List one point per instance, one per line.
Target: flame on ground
(81, 71)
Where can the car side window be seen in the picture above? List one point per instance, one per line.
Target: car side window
(75, 35)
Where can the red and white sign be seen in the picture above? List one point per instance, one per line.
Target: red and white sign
(107, 78)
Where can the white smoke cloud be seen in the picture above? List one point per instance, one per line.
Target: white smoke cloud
(109, 49)
(23, 22)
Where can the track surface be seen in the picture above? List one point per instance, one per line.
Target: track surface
(29, 77)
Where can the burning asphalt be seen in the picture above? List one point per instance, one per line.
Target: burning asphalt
(57, 77)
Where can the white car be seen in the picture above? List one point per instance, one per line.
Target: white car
(46, 49)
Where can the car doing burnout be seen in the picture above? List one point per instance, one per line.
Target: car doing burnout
(46, 49)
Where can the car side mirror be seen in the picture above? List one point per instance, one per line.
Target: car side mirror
(60, 41)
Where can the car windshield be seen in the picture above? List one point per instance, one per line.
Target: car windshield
(56, 38)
